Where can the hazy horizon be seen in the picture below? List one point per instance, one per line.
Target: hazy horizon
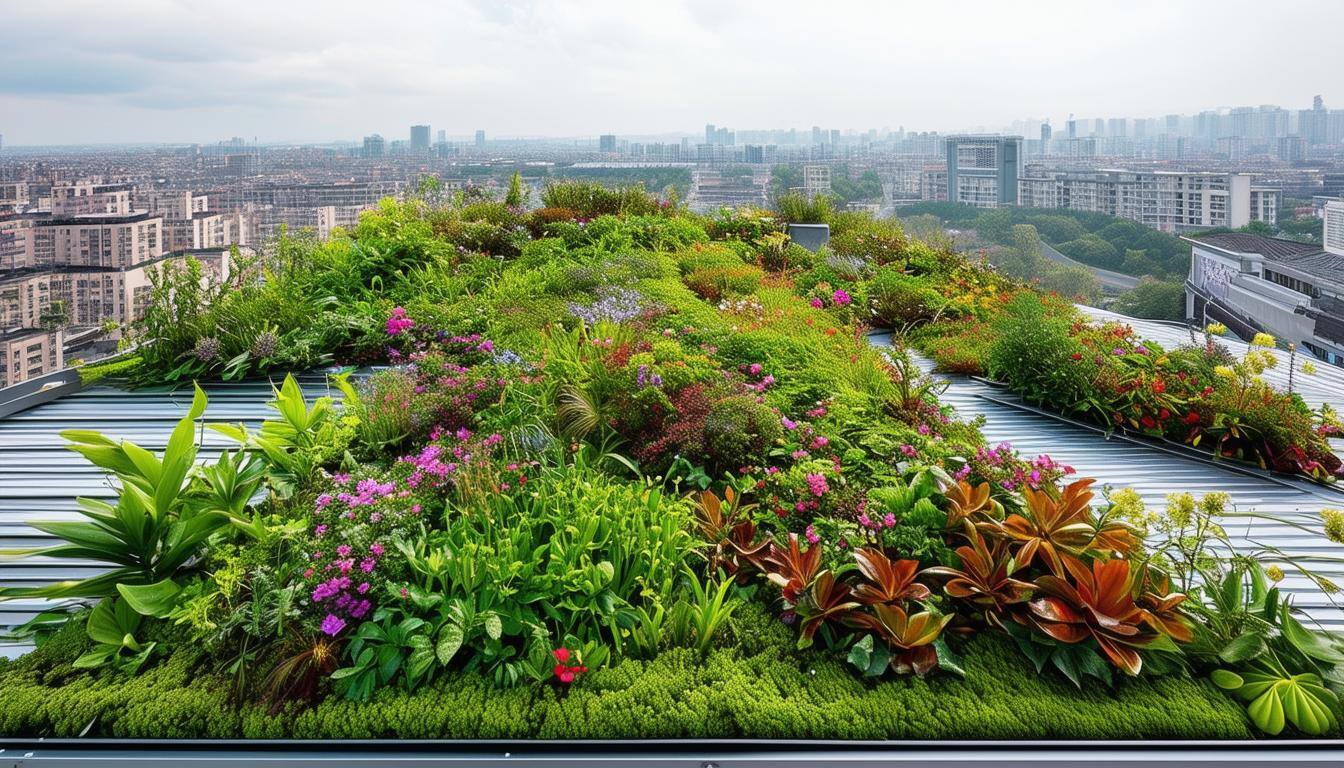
(186, 72)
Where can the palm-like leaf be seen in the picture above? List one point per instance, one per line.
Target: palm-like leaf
(792, 568)
(985, 578)
(889, 581)
(1101, 607)
(1053, 529)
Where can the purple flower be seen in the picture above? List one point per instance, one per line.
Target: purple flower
(332, 625)
(841, 297)
(788, 423)
(811, 534)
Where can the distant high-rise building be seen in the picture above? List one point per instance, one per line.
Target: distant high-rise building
(1292, 149)
(982, 171)
(606, 143)
(480, 139)
(1045, 134)
(1072, 128)
(419, 138)
(1098, 127)
(1117, 126)
(709, 133)
(816, 135)
(443, 136)
(374, 146)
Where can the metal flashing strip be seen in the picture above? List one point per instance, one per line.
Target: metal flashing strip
(671, 753)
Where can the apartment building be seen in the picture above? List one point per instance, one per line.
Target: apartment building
(1292, 290)
(983, 171)
(27, 353)
(88, 198)
(1170, 201)
(14, 196)
(91, 296)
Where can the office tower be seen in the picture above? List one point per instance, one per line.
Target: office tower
(419, 138)
(1072, 128)
(1045, 133)
(606, 143)
(983, 170)
(443, 136)
(709, 133)
(480, 139)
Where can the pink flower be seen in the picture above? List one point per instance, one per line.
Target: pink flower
(398, 322)
(817, 484)
(788, 423)
(811, 535)
(376, 548)
(816, 303)
(841, 297)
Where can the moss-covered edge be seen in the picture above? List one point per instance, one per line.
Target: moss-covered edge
(757, 688)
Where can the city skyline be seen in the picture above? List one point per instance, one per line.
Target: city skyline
(154, 74)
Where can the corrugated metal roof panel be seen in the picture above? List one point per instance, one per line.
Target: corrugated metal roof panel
(40, 478)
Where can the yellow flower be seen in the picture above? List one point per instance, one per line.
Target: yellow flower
(1263, 340)
(1225, 371)
(1334, 524)
(1275, 573)
(1309, 368)
(1216, 329)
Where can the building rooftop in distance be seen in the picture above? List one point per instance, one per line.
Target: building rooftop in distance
(1308, 258)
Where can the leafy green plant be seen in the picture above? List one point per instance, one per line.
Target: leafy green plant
(1275, 697)
(112, 626)
(153, 532)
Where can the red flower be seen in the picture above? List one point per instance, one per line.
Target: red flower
(561, 655)
(1148, 422)
(1159, 385)
(1192, 417)
(1077, 355)
(1164, 414)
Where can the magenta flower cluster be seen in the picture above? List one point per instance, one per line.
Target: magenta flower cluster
(398, 323)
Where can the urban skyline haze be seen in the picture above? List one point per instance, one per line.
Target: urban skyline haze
(85, 73)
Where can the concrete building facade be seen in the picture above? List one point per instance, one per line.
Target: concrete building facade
(983, 171)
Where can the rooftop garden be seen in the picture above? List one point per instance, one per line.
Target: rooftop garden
(620, 471)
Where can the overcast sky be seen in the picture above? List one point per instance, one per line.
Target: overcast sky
(285, 70)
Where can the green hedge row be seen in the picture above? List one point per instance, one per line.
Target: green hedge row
(758, 688)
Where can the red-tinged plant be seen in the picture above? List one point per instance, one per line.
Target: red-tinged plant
(1053, 529)
(792, 568)
(889, 581)
(968, 502)
(985, 578)
(1100, 607)
(733, 541)
(826, 600)
(1159, 608)
(909, 636)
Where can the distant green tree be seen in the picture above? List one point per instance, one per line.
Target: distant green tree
(517, 195)
(996, 225)
(1154, 299)
(784, 178)
(1093, 251)
(1071, 282)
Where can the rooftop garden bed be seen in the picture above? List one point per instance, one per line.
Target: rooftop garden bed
(625, 472)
